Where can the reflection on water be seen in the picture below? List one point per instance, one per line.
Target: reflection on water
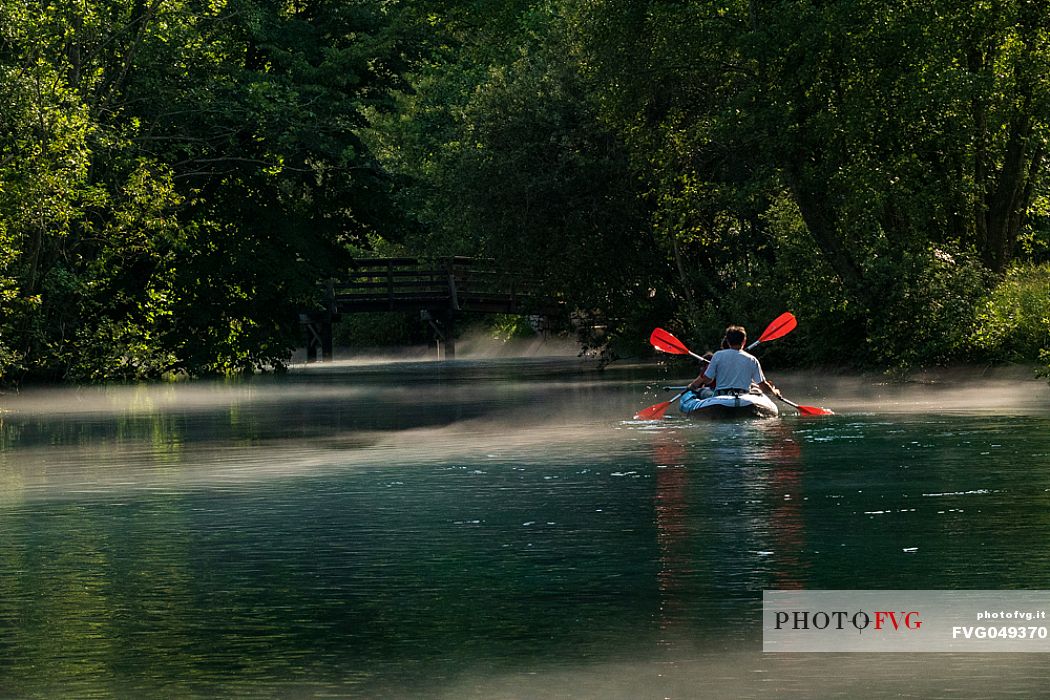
(491, 529)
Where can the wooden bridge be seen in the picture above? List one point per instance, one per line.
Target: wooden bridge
(438, 290)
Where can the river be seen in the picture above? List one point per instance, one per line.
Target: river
(499, 528)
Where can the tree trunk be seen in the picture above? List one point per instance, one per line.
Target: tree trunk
(1005, 199)
(821, 224)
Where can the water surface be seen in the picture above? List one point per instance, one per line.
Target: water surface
(498, 529)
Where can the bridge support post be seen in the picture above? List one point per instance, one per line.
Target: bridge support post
(443, 325)
(317, 329)
(331, 313)
(311, 338)
(326, 341)
(449, 341)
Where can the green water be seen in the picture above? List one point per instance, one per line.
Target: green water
(498, 529)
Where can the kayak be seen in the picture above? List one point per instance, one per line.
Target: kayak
(756, 405)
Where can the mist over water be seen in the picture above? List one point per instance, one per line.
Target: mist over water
(499, 528)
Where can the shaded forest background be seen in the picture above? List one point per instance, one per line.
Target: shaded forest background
(177, 175)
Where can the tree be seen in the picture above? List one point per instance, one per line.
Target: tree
(196, 167)
(505, 157)
(907, 122)
(903, 135)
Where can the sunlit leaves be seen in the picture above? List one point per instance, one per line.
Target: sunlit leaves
(1014, 324)
(176, 174)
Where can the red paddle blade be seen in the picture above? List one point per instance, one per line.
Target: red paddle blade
(781, 326)
(815, 411)
(665, 342)
(654, 412)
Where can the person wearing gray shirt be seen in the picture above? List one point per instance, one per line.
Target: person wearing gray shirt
(733, 370)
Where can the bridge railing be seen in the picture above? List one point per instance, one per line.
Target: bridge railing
(455, 283)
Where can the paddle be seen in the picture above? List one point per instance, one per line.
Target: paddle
(657, 410)
(665, 342)
(781, 326)
(808, 410)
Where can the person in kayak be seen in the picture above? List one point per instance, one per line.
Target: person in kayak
(707, 391)
(733, 370)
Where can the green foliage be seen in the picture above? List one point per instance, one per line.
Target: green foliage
(504, 156)
(928, 312)
(378, 330)
(506, 327)
(1013, 325)
(793, 156)
(176, 176)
